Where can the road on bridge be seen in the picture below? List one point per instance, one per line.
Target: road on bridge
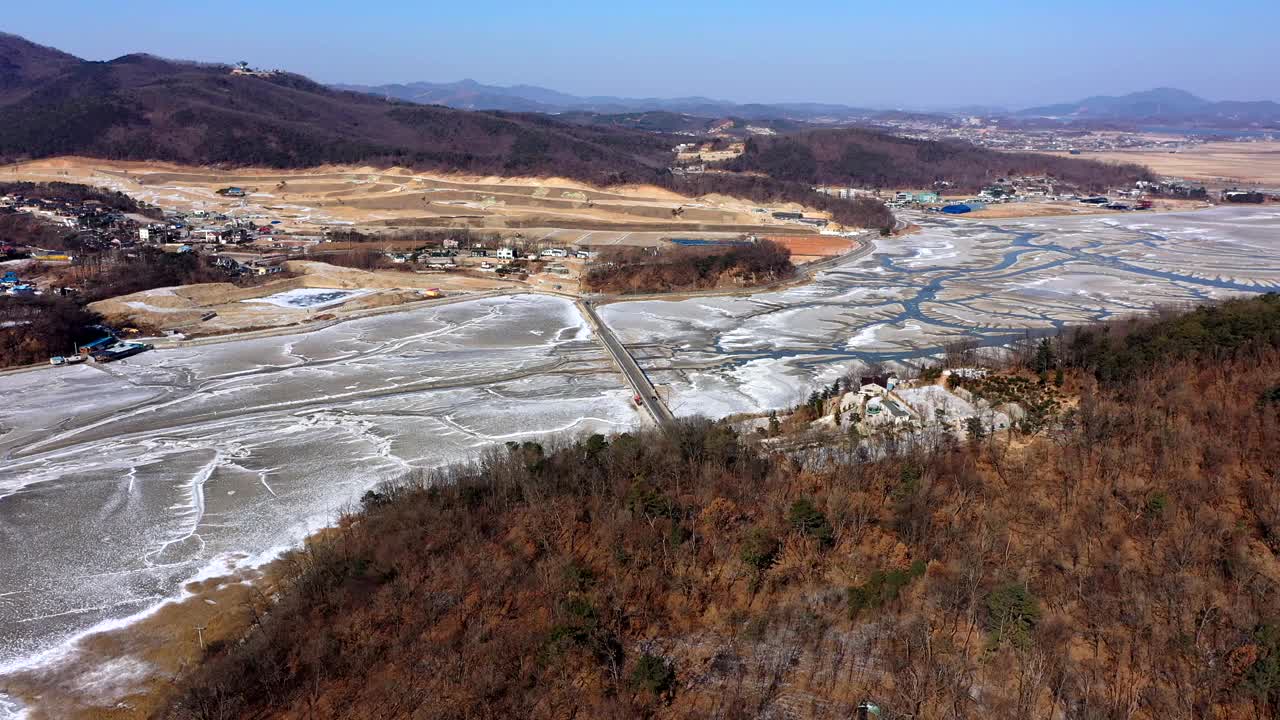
(644, 389)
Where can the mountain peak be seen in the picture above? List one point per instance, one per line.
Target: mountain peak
(1165, 90)
(1162, 104)
(13, 45)
(1165, 94)
(25, 65)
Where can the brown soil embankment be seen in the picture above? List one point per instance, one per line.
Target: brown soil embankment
(567, 224)
(182, 308)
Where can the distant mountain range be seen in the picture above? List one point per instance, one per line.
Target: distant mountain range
(1163, 105)
(1158, 106)
(141, 107)
(471, 95)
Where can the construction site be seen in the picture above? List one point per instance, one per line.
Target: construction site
(311, 201)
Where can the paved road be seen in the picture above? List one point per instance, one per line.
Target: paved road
(649, 399)
(866, 244)
(635, 377)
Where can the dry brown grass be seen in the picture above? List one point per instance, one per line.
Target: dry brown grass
(1214, 162)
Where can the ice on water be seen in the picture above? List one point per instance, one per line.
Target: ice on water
(122, 481)
(954, 279)
(129, 478)
(308, 298)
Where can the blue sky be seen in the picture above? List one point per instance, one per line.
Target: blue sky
(892, 54)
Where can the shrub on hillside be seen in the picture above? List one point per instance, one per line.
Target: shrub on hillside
(807, 519)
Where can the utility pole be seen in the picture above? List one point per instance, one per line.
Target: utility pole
(200, 635)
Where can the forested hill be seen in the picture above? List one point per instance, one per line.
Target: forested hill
(141, 107)
(866, 158)
(144, 107)
(1118, 558)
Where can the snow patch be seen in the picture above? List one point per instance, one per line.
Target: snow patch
(309, 298)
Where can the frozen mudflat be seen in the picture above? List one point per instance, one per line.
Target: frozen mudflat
(991, 281)
(122, 481)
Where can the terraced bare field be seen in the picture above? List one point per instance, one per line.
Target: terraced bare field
(389, 198)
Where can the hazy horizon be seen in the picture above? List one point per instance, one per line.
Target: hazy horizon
(746, 52)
